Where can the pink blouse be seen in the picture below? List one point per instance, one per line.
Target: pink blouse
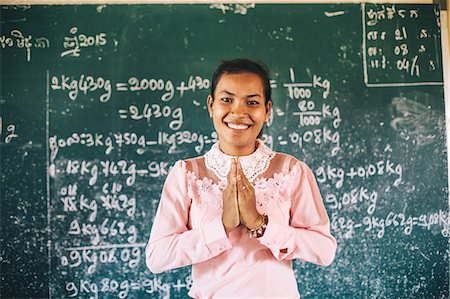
(188, 229)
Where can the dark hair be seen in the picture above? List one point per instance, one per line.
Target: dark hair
(238, 66)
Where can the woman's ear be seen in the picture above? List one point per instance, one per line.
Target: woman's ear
(209, 103)
(268, 109)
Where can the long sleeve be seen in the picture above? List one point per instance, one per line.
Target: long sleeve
(172, 244)
(308, 236)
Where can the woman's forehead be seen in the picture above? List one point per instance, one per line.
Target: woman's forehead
(240, 83)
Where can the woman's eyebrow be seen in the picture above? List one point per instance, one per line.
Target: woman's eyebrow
(227, 92)
(255, 95)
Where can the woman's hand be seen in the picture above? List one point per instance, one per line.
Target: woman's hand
(230, 214)
(249, 215)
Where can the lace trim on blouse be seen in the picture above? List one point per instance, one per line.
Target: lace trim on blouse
(253, 165)
(205, 191)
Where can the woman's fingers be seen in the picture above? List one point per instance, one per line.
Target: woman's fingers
(230, 214)
(232, 172)
(246, 200)
(244, 183)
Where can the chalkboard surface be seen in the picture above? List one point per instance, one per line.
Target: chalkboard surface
(98, 102)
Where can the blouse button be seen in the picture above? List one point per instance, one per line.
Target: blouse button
(270, 243)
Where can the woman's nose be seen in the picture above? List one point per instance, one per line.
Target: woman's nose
(239, 107)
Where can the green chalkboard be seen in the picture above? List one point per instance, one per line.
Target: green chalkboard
(97, 102)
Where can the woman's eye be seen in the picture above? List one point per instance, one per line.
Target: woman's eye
(252, 102)
(226, 100)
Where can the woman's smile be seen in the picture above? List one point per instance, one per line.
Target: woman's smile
(237, 126)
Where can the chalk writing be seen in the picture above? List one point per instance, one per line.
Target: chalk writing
(17, 39)
(318, 137)
(389, 12)
(352, 198)
(403, 51)
(113, 200)
(310, 117)
(339, 176)
(312, 120)
(92, 170)
(194, 83)
(91, 259)
(104, 231)
(118, 140)
(87, 83)
(108, 286)
(84, 84)
(347, 227)
(8, 131)
(152, 85)
(75, 42)
(156, 111)
(298, 90)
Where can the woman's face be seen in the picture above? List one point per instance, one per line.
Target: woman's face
(238, 112)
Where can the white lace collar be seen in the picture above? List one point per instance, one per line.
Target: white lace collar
(253, 164)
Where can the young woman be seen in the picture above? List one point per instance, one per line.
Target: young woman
(240, 213)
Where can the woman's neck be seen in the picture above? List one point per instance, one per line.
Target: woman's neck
(238, 151)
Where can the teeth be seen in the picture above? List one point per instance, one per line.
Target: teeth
(237, 126)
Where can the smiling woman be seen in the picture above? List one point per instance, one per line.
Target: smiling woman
(239, 112)
(240, 213)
